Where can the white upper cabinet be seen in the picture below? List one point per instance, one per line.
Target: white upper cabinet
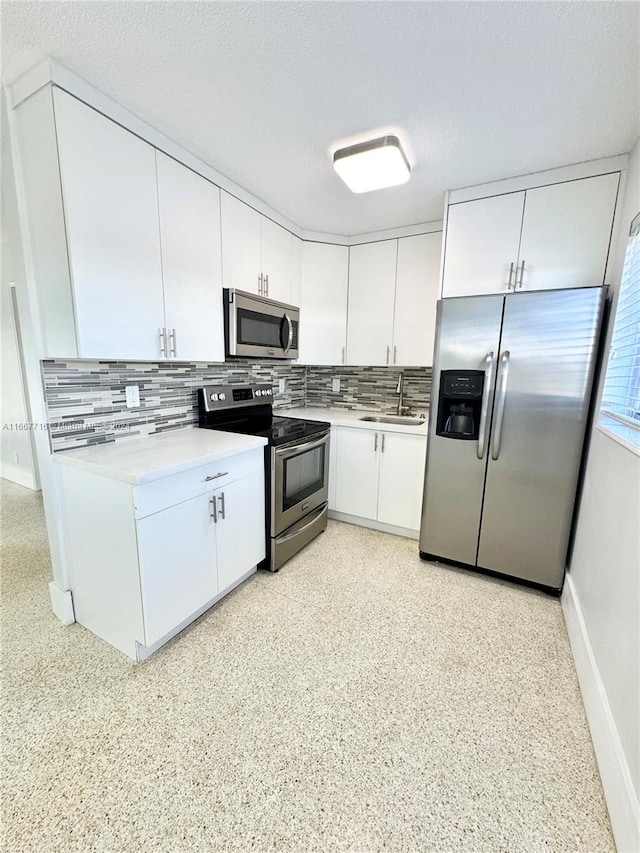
(257, 254)
(241, 262)
(111, 213)
(189, 209)
(482, 245)
(393, 290)
(566, 232)
(547, 237)
(277, 260)
(323, 303)
(372, 283)
(417, 284)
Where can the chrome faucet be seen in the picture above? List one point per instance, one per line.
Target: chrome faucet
(401, 410)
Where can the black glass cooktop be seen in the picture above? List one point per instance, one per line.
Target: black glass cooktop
(275, 429)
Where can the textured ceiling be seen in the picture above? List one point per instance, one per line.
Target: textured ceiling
(264, 91)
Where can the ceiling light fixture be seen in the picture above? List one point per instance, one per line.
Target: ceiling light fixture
(372, 165)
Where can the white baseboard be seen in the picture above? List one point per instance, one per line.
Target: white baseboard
(621, 798)
(374, 525)
(18, 475)
(62, 603)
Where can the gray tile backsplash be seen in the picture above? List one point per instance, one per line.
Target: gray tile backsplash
(86, 399)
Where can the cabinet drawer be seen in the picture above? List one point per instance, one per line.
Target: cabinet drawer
(176, 488)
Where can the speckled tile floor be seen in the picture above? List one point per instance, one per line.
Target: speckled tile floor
(358, 700)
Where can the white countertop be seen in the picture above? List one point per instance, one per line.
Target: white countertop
(351, 417)
(150, 457)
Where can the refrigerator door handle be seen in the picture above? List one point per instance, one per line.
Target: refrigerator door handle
(484, 411)
(503, 371)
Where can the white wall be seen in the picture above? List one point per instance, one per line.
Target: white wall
(16, 451)
(602, 597)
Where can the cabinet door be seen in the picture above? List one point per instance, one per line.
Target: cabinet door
(240, 529)
(325, 280)
(111, 211)
(417, 285)
(177, 554)
(372, 284)
(566, 233)
(191, 262)
(357, 456)
(296, 270)
(402, 459)
(277, 260)
(482, 241)
(240, 244)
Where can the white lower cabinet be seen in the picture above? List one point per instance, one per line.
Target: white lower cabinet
(379, 476)
(147, 559)
(178, 571)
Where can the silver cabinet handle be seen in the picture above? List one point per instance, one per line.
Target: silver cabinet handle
(343, 354)
(487, 393)
(382, 448)
(266, 285)
(501, 382)
(375, 444)
(395, 354)
(215, 476)
(510, 277)
(172, 343)
(521, 277)
(163, 342)
(221, 509)
(388, 351)
(290, 335)
(213, 512)
(260, 285)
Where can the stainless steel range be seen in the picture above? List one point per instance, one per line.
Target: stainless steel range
(296, 463)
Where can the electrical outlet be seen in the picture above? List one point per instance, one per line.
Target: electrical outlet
(335, 385)
(132, 396)
(282, 385)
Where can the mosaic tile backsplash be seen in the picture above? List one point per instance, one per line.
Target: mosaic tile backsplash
(86, 399)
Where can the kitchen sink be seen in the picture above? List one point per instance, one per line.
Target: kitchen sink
(392, 419)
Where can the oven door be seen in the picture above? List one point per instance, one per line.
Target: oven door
(299, 480)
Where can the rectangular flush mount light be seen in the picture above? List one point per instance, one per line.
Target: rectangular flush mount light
(372, 165)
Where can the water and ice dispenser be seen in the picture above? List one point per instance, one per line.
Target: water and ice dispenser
(459, 404)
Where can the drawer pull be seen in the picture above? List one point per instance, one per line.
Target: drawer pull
(215, 476)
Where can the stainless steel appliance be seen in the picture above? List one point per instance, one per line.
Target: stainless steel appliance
(296, 463)
(257, 327)
(512, 380)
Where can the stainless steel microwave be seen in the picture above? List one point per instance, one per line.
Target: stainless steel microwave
(256, 327)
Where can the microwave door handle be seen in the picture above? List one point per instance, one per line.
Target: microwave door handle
(290, 335)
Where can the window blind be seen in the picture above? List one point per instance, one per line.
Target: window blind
(621, 395)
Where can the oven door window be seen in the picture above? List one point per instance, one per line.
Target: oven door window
(302, 476)
(261, 330)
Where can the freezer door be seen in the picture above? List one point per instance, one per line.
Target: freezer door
(543, 387)
(467, 338)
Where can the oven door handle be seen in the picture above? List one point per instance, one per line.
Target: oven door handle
(286, 452)
(286, 348)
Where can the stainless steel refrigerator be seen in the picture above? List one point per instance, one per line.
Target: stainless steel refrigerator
(512, 380)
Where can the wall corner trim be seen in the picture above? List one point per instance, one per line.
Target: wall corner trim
(622, 801)
(62, 603)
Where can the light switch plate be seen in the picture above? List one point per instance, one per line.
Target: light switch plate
(282, 385)
(335, 385)
(132, 396)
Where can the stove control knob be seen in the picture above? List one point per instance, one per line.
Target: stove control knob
(222, 396)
